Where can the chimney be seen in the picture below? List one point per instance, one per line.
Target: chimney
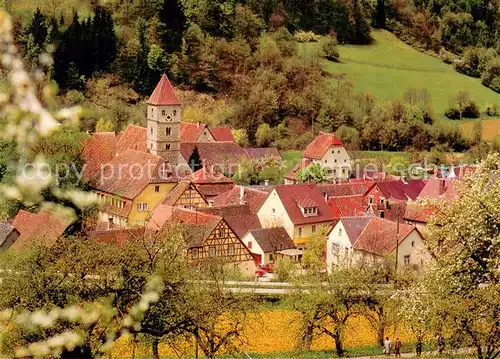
(242, 193)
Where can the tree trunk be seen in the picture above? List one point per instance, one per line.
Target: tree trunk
(154, 348)
(338, 344)
(380, 335)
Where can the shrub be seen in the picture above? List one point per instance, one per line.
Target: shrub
(264, 135)
(491, 110)
(306, 36)
(284, 269)
(329, 49)
(471, 110)
(446, 56)
(491, 76)
(241, 137)
(469, 63)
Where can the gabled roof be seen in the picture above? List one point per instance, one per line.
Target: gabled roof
(239, 217)
(321, 144)
(215, 153)
(44, 227)
(99, 149)
(173, 196)
(163, 94)
(253, 197)
(419, 212)
(380, 235)
(291, 195)
(133, 137)
(354, 227)
(200, 225)
(401, 190)
(348, 206)
(257, 153)
(6, 228)
(273, 239)
(222, 133)
(127, 174)
(345, 189)
(438, 188)
(190, 132)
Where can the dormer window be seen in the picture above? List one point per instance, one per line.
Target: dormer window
(310, 211)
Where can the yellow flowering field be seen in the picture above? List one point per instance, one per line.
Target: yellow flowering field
(276, 331)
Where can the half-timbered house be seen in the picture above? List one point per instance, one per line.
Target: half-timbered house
(209, 236)
(185, 195)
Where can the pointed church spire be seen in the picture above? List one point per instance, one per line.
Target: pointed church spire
(163, 94)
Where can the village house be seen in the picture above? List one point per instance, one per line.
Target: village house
(185, 195)
(269, 244)
(211, 184)
(254, 197)
(238, 216)
(30, 229)
(209, 236)
(8, 235)
(370, 239)
(300, 209)
(328, 151)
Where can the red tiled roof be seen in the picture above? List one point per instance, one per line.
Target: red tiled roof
(206, 176)
(97, 150)
(134, 138)
(214, 189)
(164, 94)
(117, 236)
(438, 188)
(419, 212)
(354, 227)
(253, 197)
(345, 189)
(239, 217)
(44, 227)
(289, 196)
(318, 147)
(257, 153)
(222, 134)
(127, 174)
(272, 240)
(348, 206)
(379, 236)
(401, 190)
(215, 153)
(200, 225)
(190, 132)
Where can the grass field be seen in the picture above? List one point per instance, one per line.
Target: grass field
(389, 67)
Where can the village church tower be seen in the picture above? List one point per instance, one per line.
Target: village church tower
(164, 122)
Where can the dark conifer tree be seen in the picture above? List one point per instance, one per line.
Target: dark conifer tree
(142, 73)
(380, 16)
(38, 28)
(172, 15)
(194, 160)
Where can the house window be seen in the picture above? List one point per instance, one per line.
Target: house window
(333, 152)
(167, 146)
(175, 113)
(335, 161)
(313, 228)
(382, 201)
(194, 253)
(345, 161)
(274, 210)
(413, 243)
(300, 232)
(340, 231)
(338, 152)
(151, 130)
(212, 251)
(220, 233)
(382, 214)
(151, 146)
(249, 245)
(326, 161)
(370, 200)
(157, 188)
(407, 259)
(144, 206)
(168, 131)
(138, 207)
(163, 112)
(230, 250)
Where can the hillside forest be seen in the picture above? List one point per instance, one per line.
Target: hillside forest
(236, 62)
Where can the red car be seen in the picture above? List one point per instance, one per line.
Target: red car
(263, 269)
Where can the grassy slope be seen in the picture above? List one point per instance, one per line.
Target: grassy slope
(389, 67)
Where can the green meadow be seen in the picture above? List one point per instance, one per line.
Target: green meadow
(388, 67)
